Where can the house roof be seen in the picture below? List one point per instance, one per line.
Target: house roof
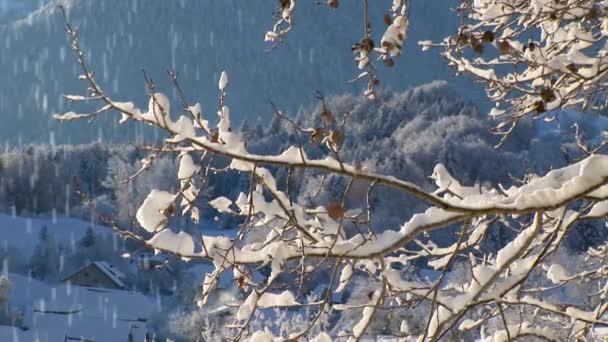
(106, 269)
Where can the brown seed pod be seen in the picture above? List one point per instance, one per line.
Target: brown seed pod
(214, 136)
(531, 46)
(171, 210)
(327, 117)
(367, 44)
(488, 36)
(240, 282)
(387, 45)
(463, 39)
(316, 135)
(335, 210)
(388, 20)
(593, 13)
(547, 94)
(539, 107)
(504, 47)
(333, 3)
(336, 138)
(477, 46)
(572, 67)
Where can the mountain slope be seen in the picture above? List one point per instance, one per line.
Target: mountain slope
(198, 39)
(12, 10)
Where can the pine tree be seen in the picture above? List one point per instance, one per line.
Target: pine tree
(244, 129)
(88, 239)
(44, 263)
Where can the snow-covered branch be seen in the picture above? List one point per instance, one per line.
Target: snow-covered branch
(299, 240)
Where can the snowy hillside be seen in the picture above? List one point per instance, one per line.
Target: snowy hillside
(51, 309)
(53, 312)
(196, 38)
(22, 233)
(11, 10)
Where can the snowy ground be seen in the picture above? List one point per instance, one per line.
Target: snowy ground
(22, 232)
(53, 312)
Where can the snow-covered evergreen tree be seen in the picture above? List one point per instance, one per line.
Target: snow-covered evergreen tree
(44, 263)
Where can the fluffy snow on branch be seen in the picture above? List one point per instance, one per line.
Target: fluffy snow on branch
(70, 116)
(187, 168)
(368, 312)
(269, 300)
(246, 309)
(345, 275)
(586, 177)
(395, 35)
(557, 274)
(222, 204)
(159, 109)
(179, 244)
(262, 336)
(223, 82)
(151, 213)
(183, 129)
(75, 98)
(322, 337)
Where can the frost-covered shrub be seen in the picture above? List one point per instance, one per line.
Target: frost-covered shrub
(8, 314)
(40, 178)
(197, 325)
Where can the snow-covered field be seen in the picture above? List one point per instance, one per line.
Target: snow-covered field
(22, 232)
(53, 312)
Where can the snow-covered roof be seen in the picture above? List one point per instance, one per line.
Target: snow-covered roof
(160, 257)
(111, 272)
(107, 269)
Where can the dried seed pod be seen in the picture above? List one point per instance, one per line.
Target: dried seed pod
(477, 46)
(316, 135)
(388, 46)
(531, 46)
(171, 210)
(547, 94)
(488, 36)
(214, 136)
(539, 107)
(463, 39)
(572, 67)
(388, 20)
(504, 47)
(593, 13)
(240, 282)
(367, 44)
(335, 210)
(327, 117)
(336, 138)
